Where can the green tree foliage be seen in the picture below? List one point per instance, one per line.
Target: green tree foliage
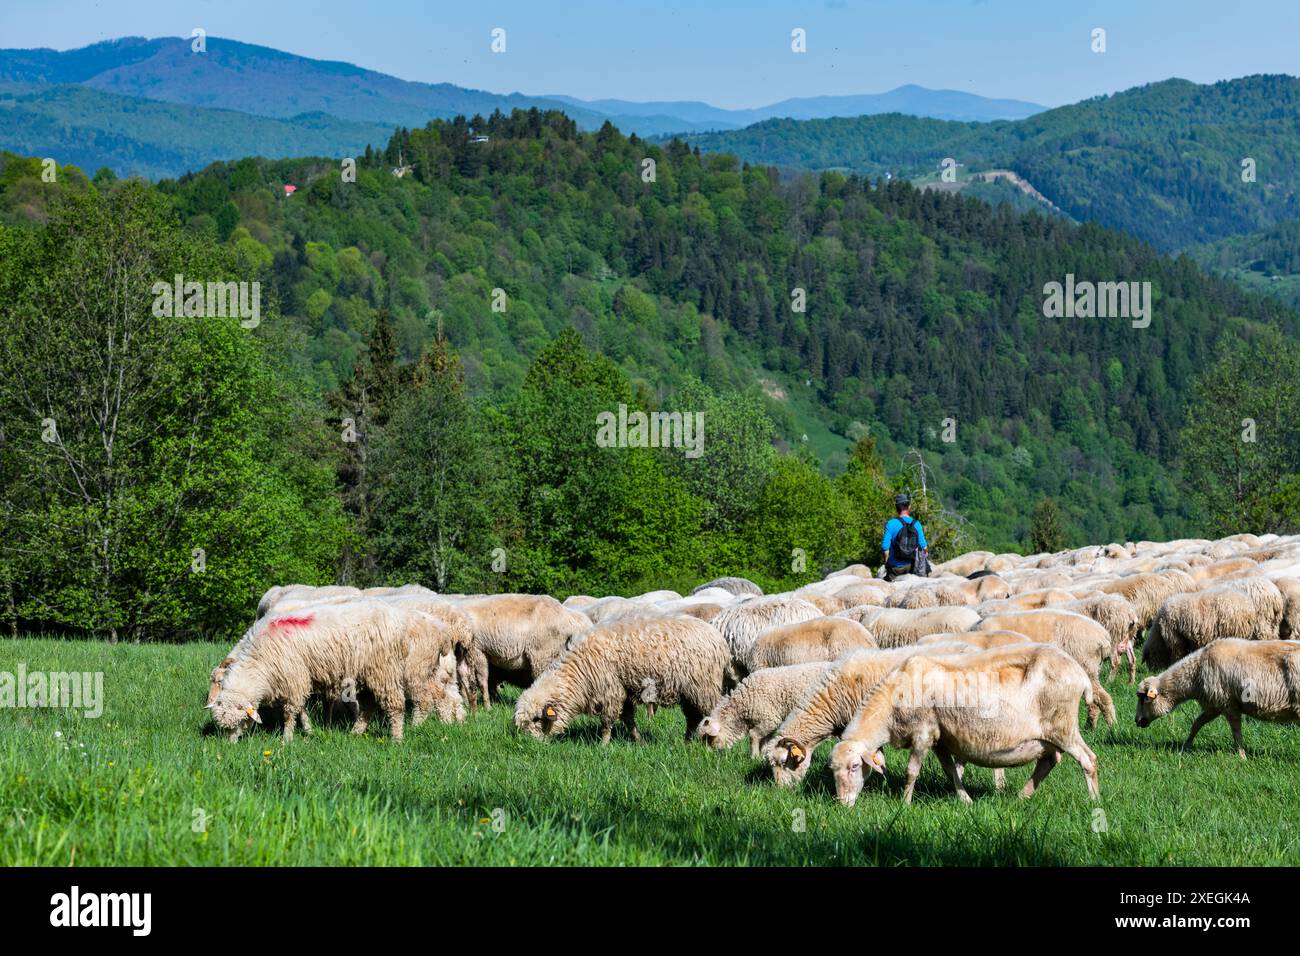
(1241, 443)
(1047, 532)
(155, 484)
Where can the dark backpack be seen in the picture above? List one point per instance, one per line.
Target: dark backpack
(905, 544)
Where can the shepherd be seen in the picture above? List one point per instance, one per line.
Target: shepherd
(906, 551)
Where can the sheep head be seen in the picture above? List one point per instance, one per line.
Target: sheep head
(539, 720)
(789, 760)
(236, 716)
(1151, 704)
(849, 760)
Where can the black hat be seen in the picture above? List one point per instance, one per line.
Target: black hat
(901, 501)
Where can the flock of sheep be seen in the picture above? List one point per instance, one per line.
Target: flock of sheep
(985, 662)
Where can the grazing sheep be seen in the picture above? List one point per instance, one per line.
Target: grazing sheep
(1229, 678)
(1031, 600)
(1120, 620)
(861, 570)
(1081, 637)
(739, 586)
(517, 636)
(759, 703)
(657, 597)
(1250, 608)
(999, 708)
(704, 612)
(741, 624)
(1219, 570)
(683, 661)
(302, 592)
(1147, 591)
(578, 601)
(896, 626)
(830, 703)
(821, 639)
(857, 594)
(391, 651)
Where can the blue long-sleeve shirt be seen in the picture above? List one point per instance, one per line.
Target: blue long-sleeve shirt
(894, 525)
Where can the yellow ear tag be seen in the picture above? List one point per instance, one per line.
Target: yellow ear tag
(251, 711)
(1151, 693)
(796, 751)
(550, 713)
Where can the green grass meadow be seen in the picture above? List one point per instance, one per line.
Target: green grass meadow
(145, 785)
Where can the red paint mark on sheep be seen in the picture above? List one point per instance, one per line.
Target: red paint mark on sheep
(284, 623)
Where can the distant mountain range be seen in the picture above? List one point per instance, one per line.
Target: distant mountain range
(322, 106)
(1175, 163)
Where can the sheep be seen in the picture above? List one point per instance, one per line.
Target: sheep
(829, 704)
(758, 704)
(820, 639)
(390, 650)
(1211, 573)
(1146, 591)
(1228, 678)
(471, 668)
(732, 584)
(1031, 600)
(1250, 608)
(741, 624)
(705, 612)
(517, 636)
(826, 603)
(578, 601)
(684, 661)
(983, 640)
(861, 570)
(964, 564)
(1120, 620)
(896, 627)
(855, 595)
(1081, 637)
(1289, 625)
(657, 597)
(999, 708)
(301, 592)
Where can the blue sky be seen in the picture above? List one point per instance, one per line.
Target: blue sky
(732, 53)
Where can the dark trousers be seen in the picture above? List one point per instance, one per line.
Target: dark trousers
(892, 572)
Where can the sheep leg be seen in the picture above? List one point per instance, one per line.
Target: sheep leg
(1080, 751)
(291, 712)
(1132, 664)
(482, 683)
(606, 726)
(950, 768)
(1234, 721)
(629, 718)
(1102, 703)
(364, 713)
(1046, 764)
(393, 705)
(693, 717)
(914, 770)
(999, 778)
(755, 750)
(1203, 718)
(650, 711)
(304, 721)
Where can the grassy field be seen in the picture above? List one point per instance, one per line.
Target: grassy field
(145, 785)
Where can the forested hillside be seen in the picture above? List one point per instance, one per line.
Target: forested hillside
(1163, 162)
(458, 328)
(920, 307)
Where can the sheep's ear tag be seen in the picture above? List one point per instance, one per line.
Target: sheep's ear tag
(878, 759)
(796, 752)
(1151, 693)
(549, 713)
(251, 711)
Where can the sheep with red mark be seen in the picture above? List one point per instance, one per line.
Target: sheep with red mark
(1230, 678)
(682, 660)
(390, 651)
(999, 708)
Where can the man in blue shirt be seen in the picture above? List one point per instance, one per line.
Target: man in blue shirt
(904, 540)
